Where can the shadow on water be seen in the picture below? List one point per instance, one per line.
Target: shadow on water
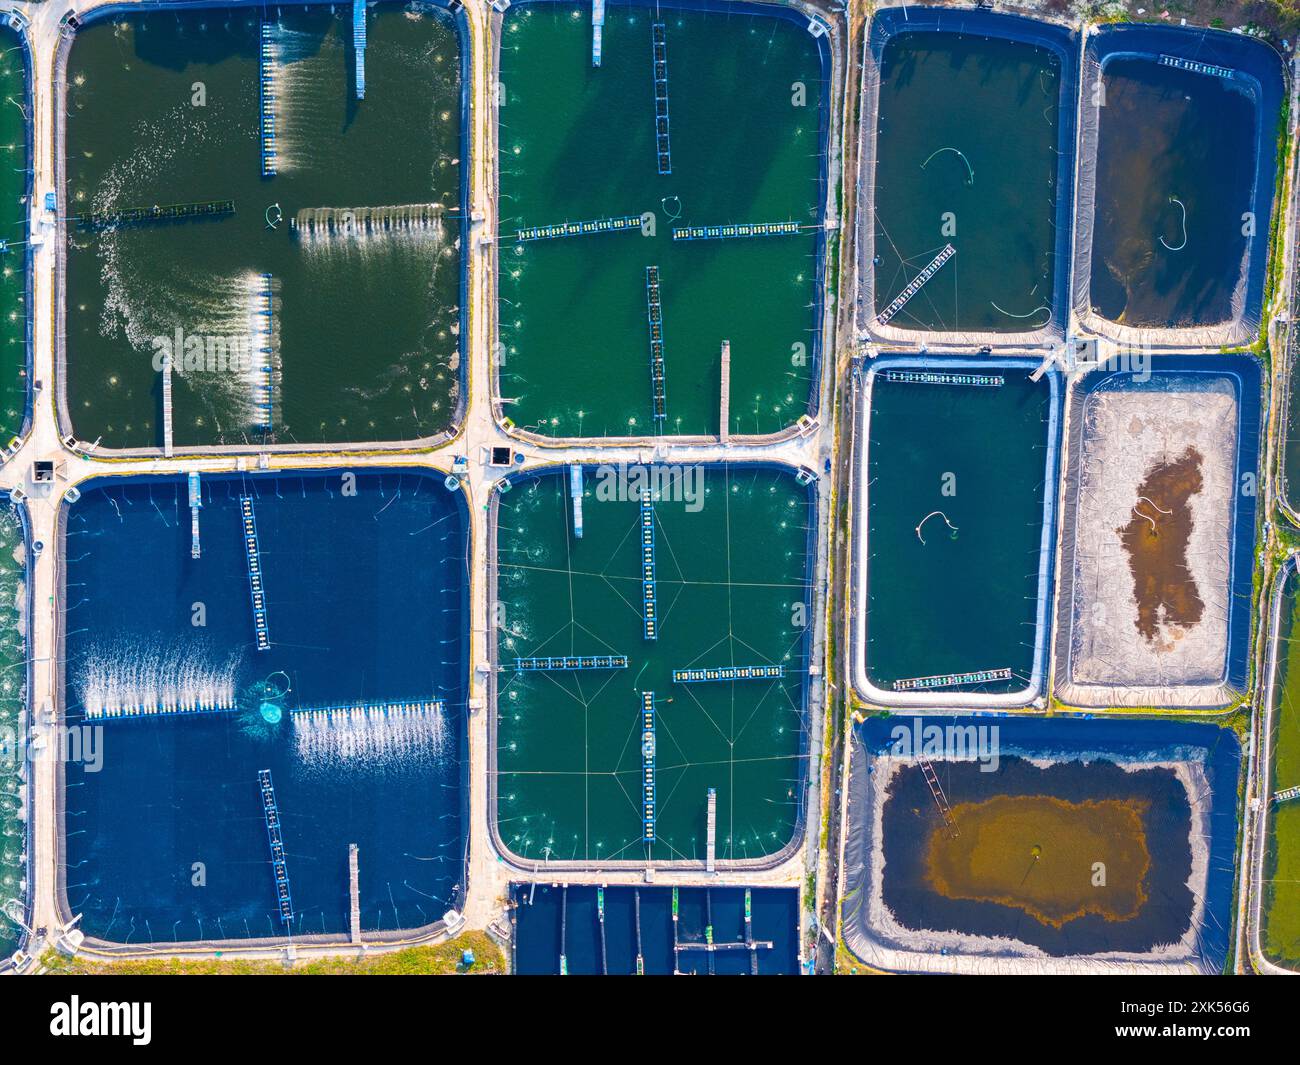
(198, 39)
(181, 44)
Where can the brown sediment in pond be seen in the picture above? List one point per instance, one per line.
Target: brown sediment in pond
(1053, 859)
(1156, 539)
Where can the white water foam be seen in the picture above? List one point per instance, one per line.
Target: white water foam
(330, 737)
(306, 70)
(233, 311)
(145, 305)
(329, 226)
(126, 678)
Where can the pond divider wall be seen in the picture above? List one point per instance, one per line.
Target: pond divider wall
(1288, 449)
(937, 699)
(1259, 72)
(1244, 370)
(888, 24)
(460, 21)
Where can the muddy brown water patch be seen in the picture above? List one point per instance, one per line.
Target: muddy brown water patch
(1156, 539)
(1054, 859)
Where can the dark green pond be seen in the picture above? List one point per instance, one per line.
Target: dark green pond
(13, 661)
(955, 518)
(13, 231)
(163, 109)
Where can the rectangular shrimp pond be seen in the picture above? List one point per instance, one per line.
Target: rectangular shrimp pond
(584, 930)
(652, 655)
(302, 274)
(1040, 846)
(1158, 534)
(1179, 143)
(617, 328)
(273, 669)
(956, 499)
(968, 149)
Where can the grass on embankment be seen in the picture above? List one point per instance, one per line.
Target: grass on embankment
(1282, 884)
(440, 960)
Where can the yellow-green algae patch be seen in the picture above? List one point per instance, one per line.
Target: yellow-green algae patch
(1053, 859)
